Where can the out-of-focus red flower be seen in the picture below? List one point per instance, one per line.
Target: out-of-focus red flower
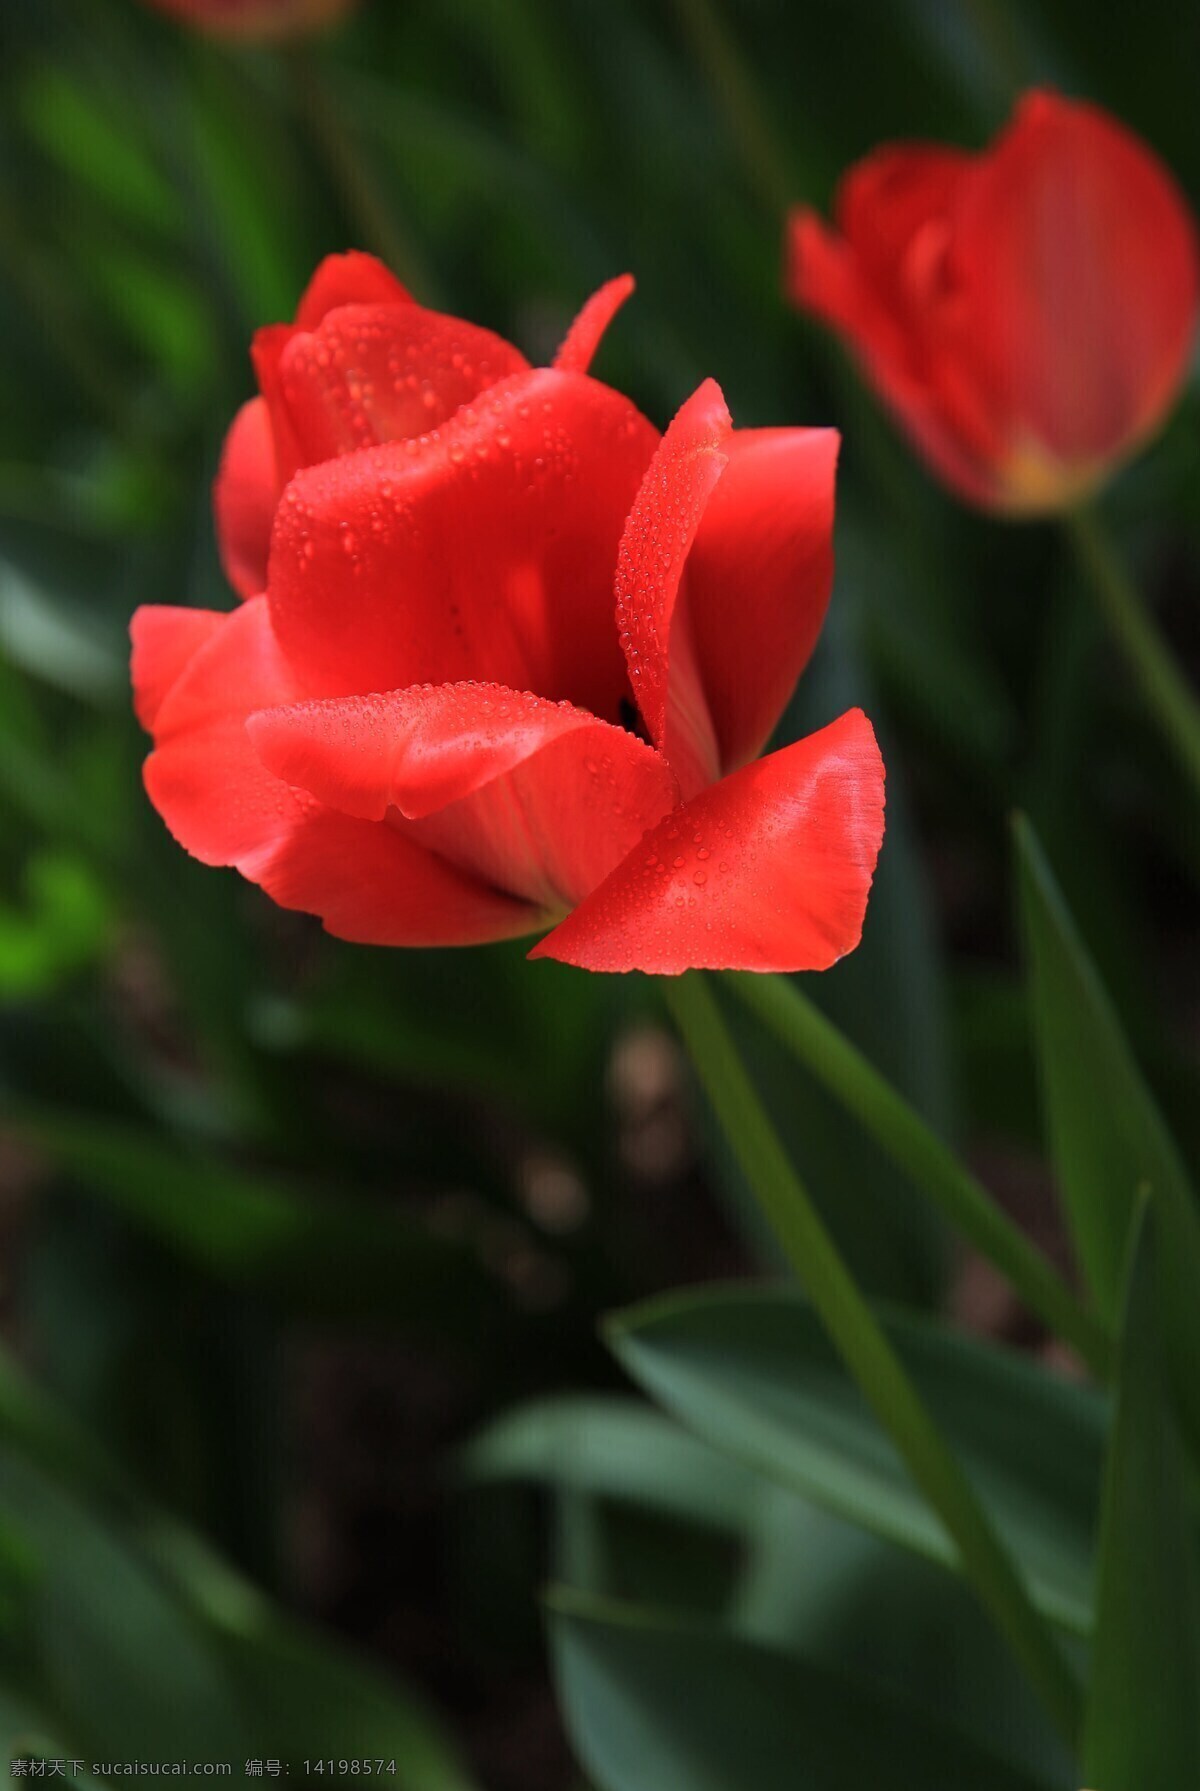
(513, 657)
(1027, 312)
(261, 20)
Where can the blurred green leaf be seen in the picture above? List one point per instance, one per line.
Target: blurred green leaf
(65, 922)
(1142, 1729)
(751, 1372)
(822, 1588)
(53, 637)
(617, 1550)
(1108, 1137)
(305, 1693)
(117, 1654)
(652, 1703)
(152, 1644)
(98, 151)
(319, 1255)
(613, 1448)
(640, 1507)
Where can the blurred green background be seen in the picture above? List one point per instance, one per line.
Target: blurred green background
(286, 1222)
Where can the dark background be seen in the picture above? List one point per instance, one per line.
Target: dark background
(286, 1222)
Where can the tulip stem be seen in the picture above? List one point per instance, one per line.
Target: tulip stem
(864, 1348)
(930, 1163)
(353, 178)
(1167, 692)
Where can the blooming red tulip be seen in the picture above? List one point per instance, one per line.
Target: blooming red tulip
(257, 19)
(1027, 313)
(513, 657)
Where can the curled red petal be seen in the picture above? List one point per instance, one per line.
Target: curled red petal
(767, 870)
(382, 373)
(653, 628)
(1076, 257)
(353, 278)
(374, 885)
(245, 494)
(536, 798)
(366, 880)
(581, 341)
(165, 640)
(1028, 312)
(908, 357)
(203, 776)
(894, 207)
(483, 551)
(759, 576)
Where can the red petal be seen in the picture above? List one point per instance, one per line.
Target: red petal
(1076, 253)
(484, 551)
(381, 373)
(583, 338)
(244, 498)
(266, 353)
(203, 777)
(869, 276)
(366, 880)
(375, 886)
(889, 199)
(767, 870)
(349, 279)
(758, 579)
(908, 357)
(654, 548)
(165, 640)
(340, 281)
(536, 798)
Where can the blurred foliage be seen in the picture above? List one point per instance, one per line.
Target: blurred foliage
(231, 1142)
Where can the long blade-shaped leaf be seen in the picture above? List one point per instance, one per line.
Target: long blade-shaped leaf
(752, 1373)
(1108, 1137)
(1142, 1728)
(655, 1706)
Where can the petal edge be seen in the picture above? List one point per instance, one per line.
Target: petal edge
(769, 869)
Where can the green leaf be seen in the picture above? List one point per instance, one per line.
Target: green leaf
(651, 1703)
(1142, 1728)
(617, 1449)
(641, 1508)
(122, 1660)
(317, 1254)
(98, 148)
(132, 1609)
(63, 923)
(299, 1691)
(821, 1588)
(1107, 1135)
(752, 1373)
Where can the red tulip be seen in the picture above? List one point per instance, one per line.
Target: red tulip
(515, 656)
(1027, 313)
(262, 20)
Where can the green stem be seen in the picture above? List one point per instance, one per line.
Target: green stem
(917, 1150)
(354, 179)
(1169, 696)
(865, 1350)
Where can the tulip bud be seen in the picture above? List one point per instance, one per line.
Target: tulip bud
(257, 20)
(1027, 313)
